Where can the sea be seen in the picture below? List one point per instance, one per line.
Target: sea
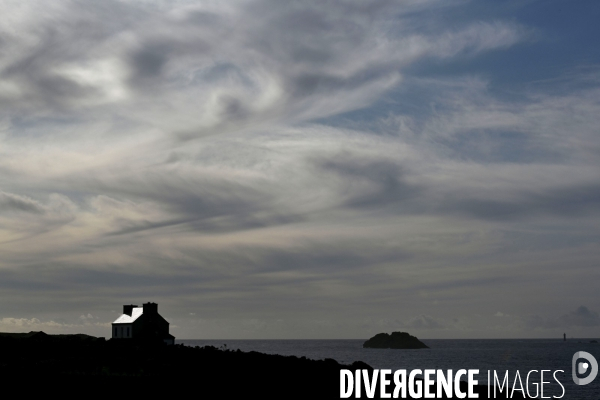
(499, 355)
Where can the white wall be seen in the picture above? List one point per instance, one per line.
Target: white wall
(122, 331)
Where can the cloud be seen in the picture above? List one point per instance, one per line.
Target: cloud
(267, 159)
(424, 322)
(19, 325)
(369, 182)
(581, 317)
(16, 203)
(87, 317)
(206, 67)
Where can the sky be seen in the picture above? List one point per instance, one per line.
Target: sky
(301, 169)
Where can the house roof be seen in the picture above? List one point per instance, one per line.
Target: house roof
(128, 319)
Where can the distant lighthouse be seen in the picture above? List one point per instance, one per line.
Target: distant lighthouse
(564, 337)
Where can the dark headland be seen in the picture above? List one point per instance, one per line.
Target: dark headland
(82, 366)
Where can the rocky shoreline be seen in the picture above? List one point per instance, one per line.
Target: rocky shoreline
(36, 363)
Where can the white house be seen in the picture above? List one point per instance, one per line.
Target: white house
(142, 323)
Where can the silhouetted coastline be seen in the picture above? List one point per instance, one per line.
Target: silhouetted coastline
(80, 363)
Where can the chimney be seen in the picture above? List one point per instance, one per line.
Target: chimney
(127, 309)
(150, 308)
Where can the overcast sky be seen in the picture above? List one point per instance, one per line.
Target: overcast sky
(301, 169)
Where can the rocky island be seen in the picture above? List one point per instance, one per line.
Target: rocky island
(397, 340)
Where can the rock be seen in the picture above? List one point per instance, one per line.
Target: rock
(397, 340)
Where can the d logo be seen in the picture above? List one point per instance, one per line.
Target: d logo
(583, 367)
